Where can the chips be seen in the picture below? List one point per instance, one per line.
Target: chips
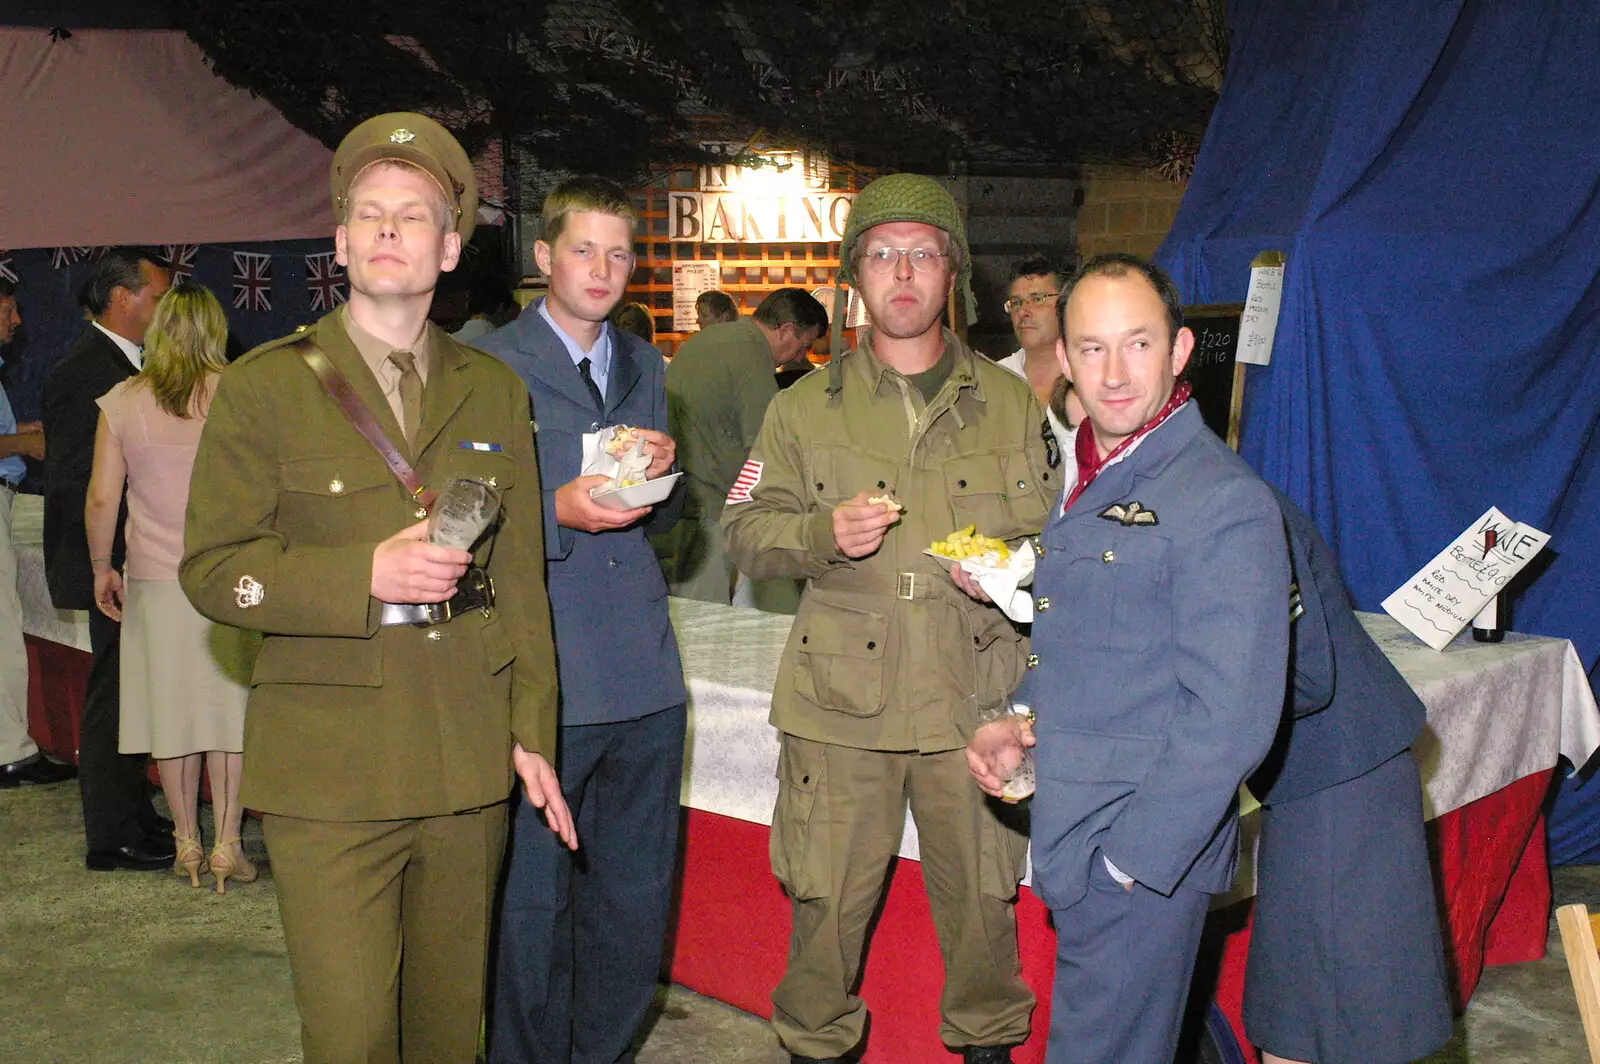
(966, 543)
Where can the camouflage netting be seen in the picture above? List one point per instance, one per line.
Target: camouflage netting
(613, 86)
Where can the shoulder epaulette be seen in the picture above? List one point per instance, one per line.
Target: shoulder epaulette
(301, 332)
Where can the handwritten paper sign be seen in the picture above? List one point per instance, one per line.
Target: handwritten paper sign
(1259, 322)
(1447, 593)
(691, 280)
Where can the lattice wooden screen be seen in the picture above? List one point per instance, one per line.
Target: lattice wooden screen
(748, 271)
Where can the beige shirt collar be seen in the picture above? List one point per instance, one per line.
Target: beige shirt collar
(375, 353)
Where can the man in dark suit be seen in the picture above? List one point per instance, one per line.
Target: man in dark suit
(1158, 683)
(581, 935)
(1346, 959)
(119, 822)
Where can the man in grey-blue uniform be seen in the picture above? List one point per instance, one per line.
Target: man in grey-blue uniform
(1157, 681)
(581, 936)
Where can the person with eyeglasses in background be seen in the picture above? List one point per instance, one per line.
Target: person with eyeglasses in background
(1031, 305)
(890, 661)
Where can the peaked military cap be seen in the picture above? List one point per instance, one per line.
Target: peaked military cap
(416, 139)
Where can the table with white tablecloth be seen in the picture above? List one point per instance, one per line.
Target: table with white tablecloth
(1496, 711)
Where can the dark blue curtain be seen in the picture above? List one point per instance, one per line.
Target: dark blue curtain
(1431, 170)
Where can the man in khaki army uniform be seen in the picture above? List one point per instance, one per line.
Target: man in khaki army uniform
(390, 702)
(890, 662)
(718, 388)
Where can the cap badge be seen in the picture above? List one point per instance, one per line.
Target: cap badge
(402, 136)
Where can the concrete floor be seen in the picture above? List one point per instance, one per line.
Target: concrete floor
(131, 967)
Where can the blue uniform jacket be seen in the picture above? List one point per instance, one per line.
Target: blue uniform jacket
(1350, 710)
(615, 651)
(1160, 676)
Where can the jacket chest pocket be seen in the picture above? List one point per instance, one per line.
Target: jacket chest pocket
(839, 663)
(996, 493)
(1119, 583)
(838, 472)
(324, 498)
(494, 468)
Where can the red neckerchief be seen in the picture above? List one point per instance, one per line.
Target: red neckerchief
(1087, 451)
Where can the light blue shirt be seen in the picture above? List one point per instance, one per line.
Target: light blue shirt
(11, 468)
(599, 358)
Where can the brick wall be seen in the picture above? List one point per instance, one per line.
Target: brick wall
(1125, 209)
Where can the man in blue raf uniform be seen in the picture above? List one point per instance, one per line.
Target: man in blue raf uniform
(1158, 678)
(581, 937)
(1346, 960)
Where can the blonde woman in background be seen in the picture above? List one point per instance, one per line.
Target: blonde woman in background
(184, 678)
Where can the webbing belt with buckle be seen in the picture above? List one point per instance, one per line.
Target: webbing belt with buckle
(908, 586)
(474, 592)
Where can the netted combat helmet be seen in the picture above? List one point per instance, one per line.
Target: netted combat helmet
(906, 198)
(897, 198)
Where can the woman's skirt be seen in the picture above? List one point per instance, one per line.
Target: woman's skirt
(185, 679)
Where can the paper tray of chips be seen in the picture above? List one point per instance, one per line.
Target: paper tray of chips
(1004, 582)
(647, 494)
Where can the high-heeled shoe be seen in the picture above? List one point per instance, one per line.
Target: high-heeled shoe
(189, 857)
(225, 865)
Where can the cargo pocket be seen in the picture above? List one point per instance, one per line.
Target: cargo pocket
(999, 654)
(839, 656)
(976, 486)
(1002, 853)
(799, 859)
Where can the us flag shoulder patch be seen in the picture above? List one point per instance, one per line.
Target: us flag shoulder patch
(745, 482)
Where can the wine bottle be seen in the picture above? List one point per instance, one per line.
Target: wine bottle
(1488, 626)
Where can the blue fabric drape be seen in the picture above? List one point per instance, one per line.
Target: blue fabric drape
(1431, 170)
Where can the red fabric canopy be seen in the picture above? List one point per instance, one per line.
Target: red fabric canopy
(127, 137)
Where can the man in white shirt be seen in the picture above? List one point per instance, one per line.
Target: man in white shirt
(1031, 303)
(20, 760)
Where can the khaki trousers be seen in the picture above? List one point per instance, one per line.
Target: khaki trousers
(387, 924)
(15, 744)
(838, 822)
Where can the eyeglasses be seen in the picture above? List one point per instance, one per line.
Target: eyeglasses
(1032, 299)
(884, 260)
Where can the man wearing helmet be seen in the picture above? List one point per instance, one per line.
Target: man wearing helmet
(890, 661)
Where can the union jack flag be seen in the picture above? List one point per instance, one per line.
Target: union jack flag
(63, 257)
(5, 267)
(252, 281)
(180, 260)
(325, 282)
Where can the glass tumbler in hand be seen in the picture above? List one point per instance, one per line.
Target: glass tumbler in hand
(1008, 759)
(462, 511)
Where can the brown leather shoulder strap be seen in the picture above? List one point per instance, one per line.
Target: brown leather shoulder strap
(344, 396)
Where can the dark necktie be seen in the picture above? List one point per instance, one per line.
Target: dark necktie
(410, 392)
(594, 389)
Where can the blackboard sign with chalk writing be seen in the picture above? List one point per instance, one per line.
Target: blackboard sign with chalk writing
(1217, 379)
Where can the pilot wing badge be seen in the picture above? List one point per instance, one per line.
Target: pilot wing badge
(1130, 514)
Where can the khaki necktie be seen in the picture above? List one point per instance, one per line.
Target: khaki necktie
(410, 392)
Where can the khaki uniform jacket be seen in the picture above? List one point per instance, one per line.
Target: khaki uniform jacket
(886, 652)
(718, 388)
(347, 720)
